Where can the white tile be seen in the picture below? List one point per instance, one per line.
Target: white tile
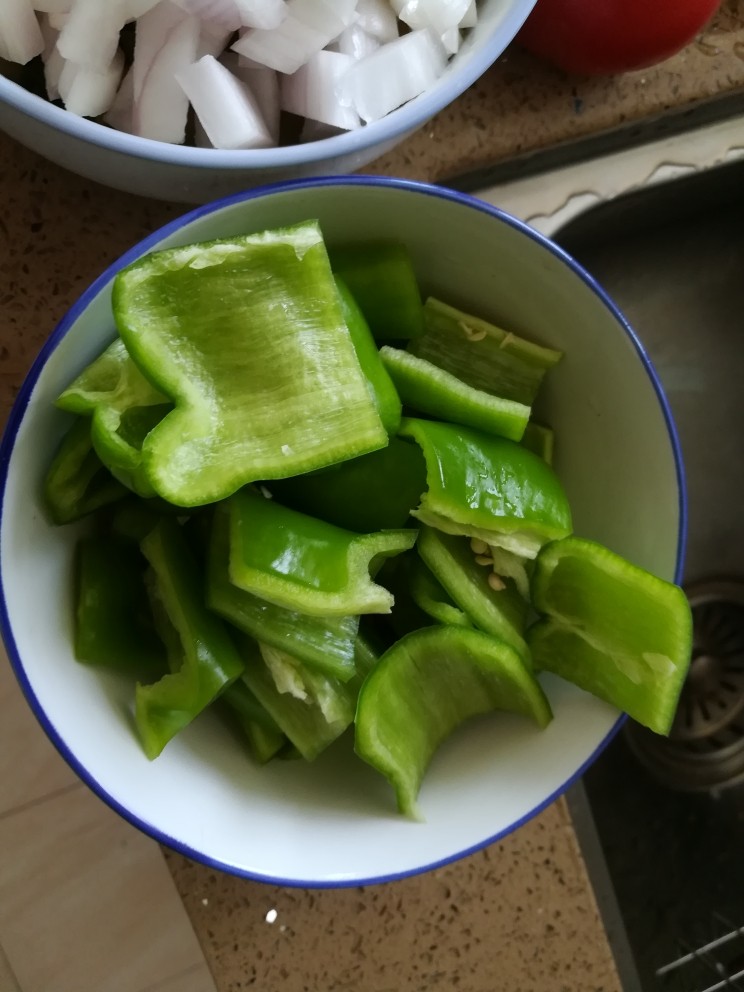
(87, 903)
(29, 764)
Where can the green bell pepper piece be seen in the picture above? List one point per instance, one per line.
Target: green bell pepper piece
(488, 487)
(424, 687)
(427, 389)
(499, 612)
(384, 394)
(113, 624)
(325, 644)
(207, 657)
(248, 337)
(308, 565)
(540, 440)
(77, 482)
(264, 737)
(374, 492)
(481, 354)
(381, 277)
(430, 595)
(124, 406)
(612, 628)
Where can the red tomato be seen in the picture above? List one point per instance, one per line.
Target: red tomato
(609, 36)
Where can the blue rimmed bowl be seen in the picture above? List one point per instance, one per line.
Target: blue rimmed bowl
(333, 822)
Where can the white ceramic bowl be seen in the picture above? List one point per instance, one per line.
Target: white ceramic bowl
(333, 822)
(196, 175)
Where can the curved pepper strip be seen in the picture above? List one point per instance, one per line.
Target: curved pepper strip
(612, 628)
(501, 613)
(124, 406)
(430, 596)
(383, 391)
(77, 482)
(264, 737)
(481, 354)
(325, 644)
(248, 338)
(374, 492)
(426, 685)
(427, 389)
(207, 656)
(488, 487)
(304, 564)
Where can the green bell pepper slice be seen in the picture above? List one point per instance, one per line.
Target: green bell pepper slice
(482, 355)
(424, 687)
(124, 407)
(381, 277)
(611, 628)
(500, 612)
(540, 440)
(325, 644)
(374, 492)
(431, 596)
(428, 389)
(264, 737)
(208, 661)
(248, 338)
(113, 625)
(381, 386)
(308, 565)
(488, 487)
(77, 482)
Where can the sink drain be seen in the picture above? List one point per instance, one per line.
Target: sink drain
(705, 747)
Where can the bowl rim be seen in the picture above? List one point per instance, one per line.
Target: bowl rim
(20, 404)
(394, 126)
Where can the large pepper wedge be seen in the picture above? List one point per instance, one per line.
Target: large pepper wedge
(488, 487)
(427, 684)
(305, 564)
(209, 661)
(248, 338)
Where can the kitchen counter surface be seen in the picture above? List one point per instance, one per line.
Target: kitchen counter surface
(519, 915)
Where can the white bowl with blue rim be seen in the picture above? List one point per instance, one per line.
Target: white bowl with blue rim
(333, 823)
(195, 175)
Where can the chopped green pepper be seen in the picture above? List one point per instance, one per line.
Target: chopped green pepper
(124, 406)
(374, 492)
(430, 595)
(208, 659)
(428, 389)
(540, 440)
(265, 738)
(481, 354)
(612, 628)
(383, 391)
(323, 643)
(248, 338)
(382, 279)
(77, 483)
(488, 487)
(305, 564)
(500, 612)
(424, 687)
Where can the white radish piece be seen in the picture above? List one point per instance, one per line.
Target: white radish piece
(226, 108)
(20, 35)
(88, 92)
(52, 6)
(51, 58)
(90, 35)
(213, 40)
(439, 15)
(395, 73)
(263, 84)
(219, 12)
(356, 42)
(308, 27)
(138, 8)
(451, 40)
(161, 108)
(470, 17)
(120, 113)
(311, 91)
(151, 34)
(377, 18)
(265, 14)
(58, 21)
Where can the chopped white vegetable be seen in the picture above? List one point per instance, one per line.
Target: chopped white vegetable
(52, 6)
(219, 12)
(120, 113)
(377, 18)
(395, 73)
(308, 27)
(90, 36)
(138, 8)
(451, 39)
(263, 84)
(161, 107)
(20, 35)
(51, 58)
(213, 39)
(88, 92)
(439, 15)
(226, 108)
(151, 34)
(356, 42)
(311, 91)
(470, 17)
(58, 20)
(265, 14)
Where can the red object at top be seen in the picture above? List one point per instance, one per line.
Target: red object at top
(611, 36)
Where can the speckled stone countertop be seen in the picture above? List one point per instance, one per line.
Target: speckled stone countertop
(519, 915)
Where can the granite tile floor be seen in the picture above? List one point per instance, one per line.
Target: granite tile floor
(87, 903)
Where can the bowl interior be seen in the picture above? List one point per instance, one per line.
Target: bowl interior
(334, 822)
